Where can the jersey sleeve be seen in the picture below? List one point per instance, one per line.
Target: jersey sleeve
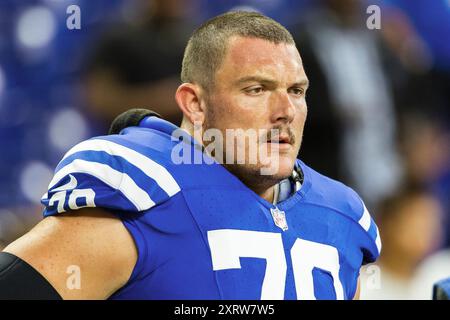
(107, 173)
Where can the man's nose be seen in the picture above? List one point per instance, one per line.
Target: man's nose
(283, 108)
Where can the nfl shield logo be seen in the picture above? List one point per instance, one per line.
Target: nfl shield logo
(279, 217)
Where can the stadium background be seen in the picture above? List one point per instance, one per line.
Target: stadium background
(60, 86)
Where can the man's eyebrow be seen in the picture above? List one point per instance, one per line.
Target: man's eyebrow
(301, 83)
(255, 79)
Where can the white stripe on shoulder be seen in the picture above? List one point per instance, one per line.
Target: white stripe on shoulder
(365, 219)
(152, 169)
(117, 180)
(378, 240)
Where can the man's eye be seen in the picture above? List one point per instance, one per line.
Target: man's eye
(297, 91)
(254, 90)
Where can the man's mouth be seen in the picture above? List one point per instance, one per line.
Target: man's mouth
(282, 144)
(280, 140)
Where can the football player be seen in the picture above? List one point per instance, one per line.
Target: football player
(133, 222)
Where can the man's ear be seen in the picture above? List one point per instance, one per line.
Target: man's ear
(189, 99)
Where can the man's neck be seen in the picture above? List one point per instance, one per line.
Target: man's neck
(267, 194)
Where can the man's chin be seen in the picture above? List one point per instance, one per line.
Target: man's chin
(280, 167)
(274, 172)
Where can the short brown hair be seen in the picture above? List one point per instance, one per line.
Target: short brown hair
(207, 46)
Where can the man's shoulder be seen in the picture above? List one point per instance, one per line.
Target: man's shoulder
(327, 192)
(334, 195)
(132, 171)
(125, 172)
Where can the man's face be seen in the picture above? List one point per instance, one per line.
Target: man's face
(261, 86)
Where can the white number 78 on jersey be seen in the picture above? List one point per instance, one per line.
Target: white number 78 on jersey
(228, 246)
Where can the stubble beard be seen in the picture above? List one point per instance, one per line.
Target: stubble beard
(249, 174)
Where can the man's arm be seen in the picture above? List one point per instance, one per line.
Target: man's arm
(90, 239)
(358, 290)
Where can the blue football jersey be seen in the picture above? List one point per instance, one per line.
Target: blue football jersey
(201, 233)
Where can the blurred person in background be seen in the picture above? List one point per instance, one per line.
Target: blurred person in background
(411, 227)
(50, 100)
(40, 114)
(425, 149)
(431, 20)
(137, 64)
(414, 31)
(363, 83)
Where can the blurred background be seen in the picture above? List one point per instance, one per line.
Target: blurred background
(378, 104)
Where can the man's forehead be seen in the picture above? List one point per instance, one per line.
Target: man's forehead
(253, 54)
(244, 49)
